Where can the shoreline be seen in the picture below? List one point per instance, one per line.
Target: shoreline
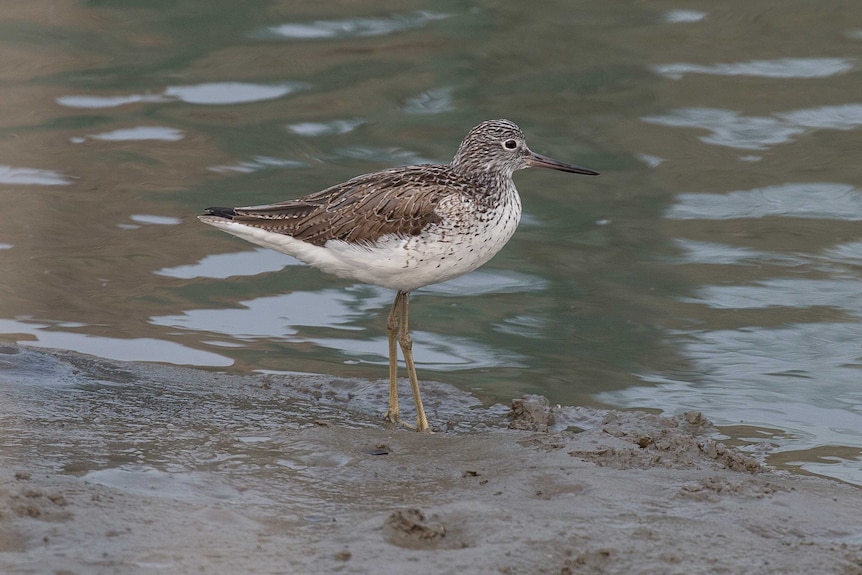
(137, 468)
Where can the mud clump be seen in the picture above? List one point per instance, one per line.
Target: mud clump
(644, 440)
(532, 413)
(714, 488)
(411, 529)
(37, 504)
(588, 563)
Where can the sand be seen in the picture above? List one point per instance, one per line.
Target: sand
(109, 467)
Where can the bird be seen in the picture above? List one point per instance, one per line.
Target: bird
(403, 228)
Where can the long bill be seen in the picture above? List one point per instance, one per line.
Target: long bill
(539, 161)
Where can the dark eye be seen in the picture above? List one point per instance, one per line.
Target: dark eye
(510, 144)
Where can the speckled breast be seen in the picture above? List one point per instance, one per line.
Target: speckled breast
(469, 234)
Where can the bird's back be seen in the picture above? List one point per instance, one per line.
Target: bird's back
(399, 201)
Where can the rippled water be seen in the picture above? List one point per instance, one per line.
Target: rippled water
(715, 265)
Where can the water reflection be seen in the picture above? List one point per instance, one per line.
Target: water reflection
(32, 177)
(300, 317)
(735, 130)
(256, 164)
(782, 68)
(215, 93)
(352, 27)
(683, 16)
(789, 292)
(54, 335)
(149, 219)
(333, 127)
(434, 101)
(387, 156)
(283, 315)
(695, 252)
(246, 263)
(136, 134)
(833, 201)
(711, 267)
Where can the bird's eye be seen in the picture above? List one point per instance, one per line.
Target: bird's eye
(510, 144)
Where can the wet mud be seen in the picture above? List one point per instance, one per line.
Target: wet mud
(111, 467)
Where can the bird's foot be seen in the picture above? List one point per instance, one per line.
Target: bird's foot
(392, 416)
(395, 418)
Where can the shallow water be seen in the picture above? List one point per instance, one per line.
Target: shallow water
(714, 265)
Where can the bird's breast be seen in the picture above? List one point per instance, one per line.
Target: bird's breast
(470, 232)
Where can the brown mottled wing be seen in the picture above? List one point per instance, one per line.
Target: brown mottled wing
(396, 201)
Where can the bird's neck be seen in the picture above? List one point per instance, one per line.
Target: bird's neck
(486, 178)
(489, 187)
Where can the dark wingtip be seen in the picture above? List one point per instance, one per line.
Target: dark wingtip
(228, 213)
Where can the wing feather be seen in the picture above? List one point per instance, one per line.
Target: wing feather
(399, 201)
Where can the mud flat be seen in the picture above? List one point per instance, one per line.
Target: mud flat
(109, 467)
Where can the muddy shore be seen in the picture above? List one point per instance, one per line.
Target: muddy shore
(111, 467)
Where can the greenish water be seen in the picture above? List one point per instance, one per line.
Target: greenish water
(714, 265)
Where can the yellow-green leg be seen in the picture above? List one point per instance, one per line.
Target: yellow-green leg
(406, 343)
(392, 324)
(397, 327)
